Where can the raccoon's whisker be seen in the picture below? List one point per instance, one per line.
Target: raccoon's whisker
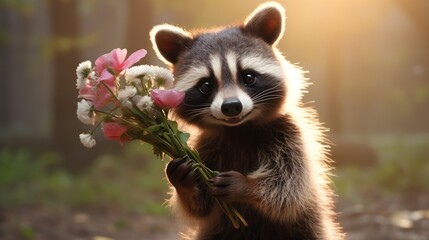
(268, 93)
(206, 107)
(263, 90)
(198, 112)
(268, 90)
(196, 115)
(196, 105)
(267, 99)
(199, 109)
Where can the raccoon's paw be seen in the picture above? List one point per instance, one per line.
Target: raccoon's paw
(231, 186)
(181, 175)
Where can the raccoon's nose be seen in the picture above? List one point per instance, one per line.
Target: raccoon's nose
(231, 107)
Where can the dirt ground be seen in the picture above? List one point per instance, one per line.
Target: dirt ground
(393, 218)
(405, 217)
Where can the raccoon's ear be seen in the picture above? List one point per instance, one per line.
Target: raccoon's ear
(169, 42)
(266, 22)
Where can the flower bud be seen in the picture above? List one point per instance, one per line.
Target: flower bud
(167, 99)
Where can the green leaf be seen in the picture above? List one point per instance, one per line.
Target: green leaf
(154, 128)
(167, 136)
(184, 137)
(177, 153)
(174, 127)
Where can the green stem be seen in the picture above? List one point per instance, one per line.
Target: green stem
(101, 121)
(145, 89)
(163, 145)
(96, 126)
(175, 138)
(121, 119)
(110, 91)
(143, 117)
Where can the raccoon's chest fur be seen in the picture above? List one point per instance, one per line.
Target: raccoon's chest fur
(245, 148)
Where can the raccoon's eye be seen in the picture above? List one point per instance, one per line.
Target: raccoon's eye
(206, 87)
(249, 78)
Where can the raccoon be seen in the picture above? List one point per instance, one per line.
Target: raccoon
(244, 100)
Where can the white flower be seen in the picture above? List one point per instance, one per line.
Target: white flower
(87, 140)
(127, 92)
(83, 70)
(143, 102)
(135, 82)
(84, 113)
(127, 103)
(163, 77)
(81, 82)
(137, 72)
(92, 75)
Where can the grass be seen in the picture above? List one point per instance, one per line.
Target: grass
(402, 167)
(133, 181)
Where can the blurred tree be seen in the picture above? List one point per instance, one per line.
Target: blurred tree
(139, 22)
(334, 58)
(417, 10)
(23, 27)
(5, 64)
(417, 102)
(64, 28)
(333, 85)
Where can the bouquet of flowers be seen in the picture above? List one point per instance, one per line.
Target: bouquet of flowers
(132, 103)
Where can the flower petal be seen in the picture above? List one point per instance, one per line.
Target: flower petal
(133, 58)
(114, 130)
(103, 96)
(84, 113)
(87, 140)
(118, 56)
(103, 62)
(127, 92)
(87, 92)
(106, 76)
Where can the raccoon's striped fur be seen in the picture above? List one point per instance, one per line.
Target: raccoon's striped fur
(244, 99)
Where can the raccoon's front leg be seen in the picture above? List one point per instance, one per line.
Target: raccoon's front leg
(233, 186)
(191, 192)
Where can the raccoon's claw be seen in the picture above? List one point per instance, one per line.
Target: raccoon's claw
(181, 174)
(230, 186)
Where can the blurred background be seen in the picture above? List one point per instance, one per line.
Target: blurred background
(368, 62)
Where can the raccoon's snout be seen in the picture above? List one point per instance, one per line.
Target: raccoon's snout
(231, 107)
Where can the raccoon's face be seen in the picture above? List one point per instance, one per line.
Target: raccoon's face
(231, 76)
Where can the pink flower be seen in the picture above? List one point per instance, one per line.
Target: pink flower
(99, 95)
(110, 64)
(115, 131)
(167, 99)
